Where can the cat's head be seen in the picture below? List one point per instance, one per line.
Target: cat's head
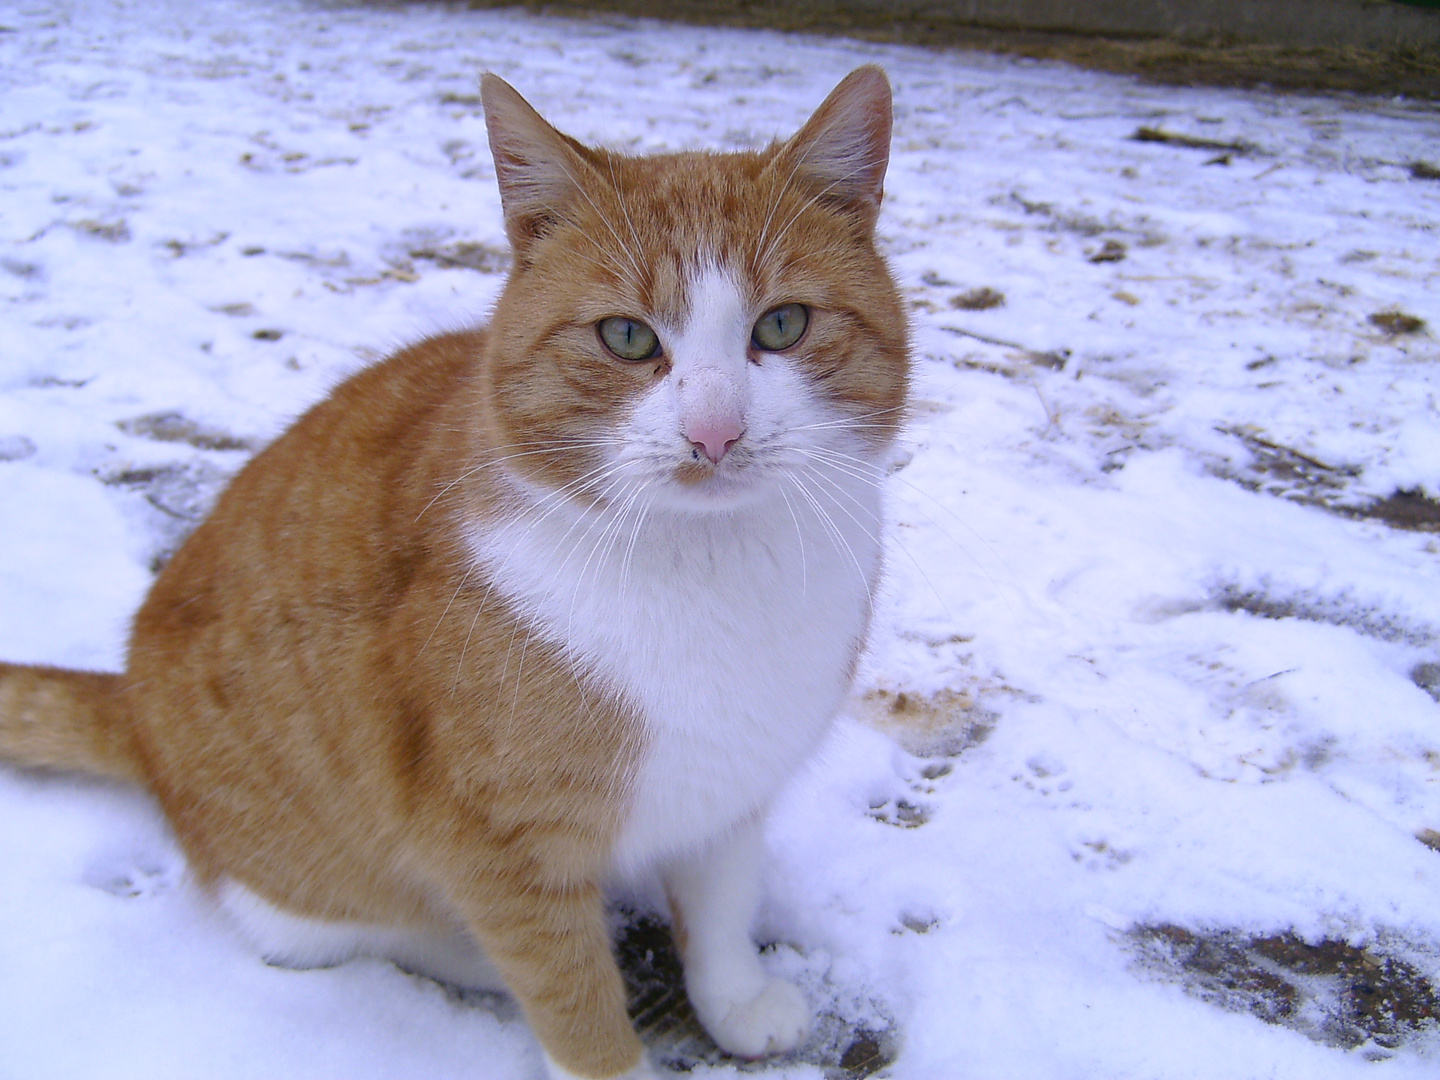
(696, 327)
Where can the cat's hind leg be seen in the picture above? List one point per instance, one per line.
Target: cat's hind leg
(715, 895)
(567, 996)
(294, 941)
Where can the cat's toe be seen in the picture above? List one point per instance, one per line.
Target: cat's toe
(776, 1020)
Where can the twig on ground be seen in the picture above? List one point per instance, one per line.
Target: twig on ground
(1190, 142)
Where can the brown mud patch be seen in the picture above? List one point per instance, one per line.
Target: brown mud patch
(1332, 992)
(1284, 471)
(945, 723)
(1410, 72)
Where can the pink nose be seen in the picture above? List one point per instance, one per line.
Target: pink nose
(714, 437)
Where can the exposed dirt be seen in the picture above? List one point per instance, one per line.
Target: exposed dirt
(1333, 992)
(1397, 323)
(173, 427)
(655, 985)
(1408, 72)
(1341, 610)
(981, 299)
(465, 254)
(1402, 510)
(939, 725)
(178, 494)
(1292, 474)
(1427, 677)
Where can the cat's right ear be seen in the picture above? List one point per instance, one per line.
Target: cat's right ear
(844, 148)
(537, 168)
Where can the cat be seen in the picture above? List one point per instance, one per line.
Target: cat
(532, 609)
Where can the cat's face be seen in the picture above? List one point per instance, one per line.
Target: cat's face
(695, 329)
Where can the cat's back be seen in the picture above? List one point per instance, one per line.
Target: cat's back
(296, 673)
(329, 515)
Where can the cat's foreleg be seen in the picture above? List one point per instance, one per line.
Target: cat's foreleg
(715, 895)
(551, 943)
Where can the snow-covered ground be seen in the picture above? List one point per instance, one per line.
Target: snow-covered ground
(1162, 697)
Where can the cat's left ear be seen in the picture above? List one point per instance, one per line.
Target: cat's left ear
(844, 147)
(538, 169)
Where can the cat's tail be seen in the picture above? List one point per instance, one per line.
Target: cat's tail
(53, 718)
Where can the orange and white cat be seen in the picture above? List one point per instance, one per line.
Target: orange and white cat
(527, 610)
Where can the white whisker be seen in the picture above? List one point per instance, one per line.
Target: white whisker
(837, 537)
(862, 469)
(491, 461)
(800, 541)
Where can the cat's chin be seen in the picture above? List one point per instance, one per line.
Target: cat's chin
(717, 493)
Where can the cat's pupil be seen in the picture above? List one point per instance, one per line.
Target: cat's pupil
(780, 327)
(629, 339)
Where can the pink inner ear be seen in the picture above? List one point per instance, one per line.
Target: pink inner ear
(845, 146)
(535, 167)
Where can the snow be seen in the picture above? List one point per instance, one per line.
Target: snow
(1115, 542)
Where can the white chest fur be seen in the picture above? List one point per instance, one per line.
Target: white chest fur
(732, 633)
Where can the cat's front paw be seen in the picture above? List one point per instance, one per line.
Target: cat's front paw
(775, 1020)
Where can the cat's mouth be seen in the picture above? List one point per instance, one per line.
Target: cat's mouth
(694, 472)
(701, 484)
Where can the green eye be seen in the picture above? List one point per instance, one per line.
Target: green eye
(628, 339)
(780, 327)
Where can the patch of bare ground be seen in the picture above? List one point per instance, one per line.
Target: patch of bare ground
(466, 255)
(1331, 991)
(173, 427)
(1427, 678)
(1397, 323)
(1411, 510)
(1281, 470)
(1347, 612)
(945, 723)
(179, 495)
(1410, 72)
(981, 299)
(1341, 610)
(666, 1021)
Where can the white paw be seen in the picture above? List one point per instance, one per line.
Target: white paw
(775, 1020)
